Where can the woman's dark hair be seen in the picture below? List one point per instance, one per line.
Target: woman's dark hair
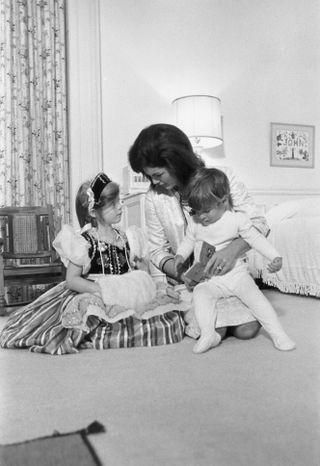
(164, 145)
(208, 188)
(107, 197)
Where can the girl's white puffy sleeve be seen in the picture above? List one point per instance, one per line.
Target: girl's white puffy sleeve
(72, 247)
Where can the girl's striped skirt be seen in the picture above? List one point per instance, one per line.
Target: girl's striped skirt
(39, 327)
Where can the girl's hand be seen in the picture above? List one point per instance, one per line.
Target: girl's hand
(275, 265)
(140, 264)
(115, 309)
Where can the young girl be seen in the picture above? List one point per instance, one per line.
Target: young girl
(73, 314)
(98, 207)
(216, 223)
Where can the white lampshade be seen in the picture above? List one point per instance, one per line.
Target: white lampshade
(199, 116)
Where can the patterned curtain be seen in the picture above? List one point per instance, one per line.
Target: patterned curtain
(33, 110)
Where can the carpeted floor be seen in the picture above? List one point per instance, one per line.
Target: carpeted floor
(241, 404)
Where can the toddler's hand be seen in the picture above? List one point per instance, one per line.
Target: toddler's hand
(275, 265)
(178, 264)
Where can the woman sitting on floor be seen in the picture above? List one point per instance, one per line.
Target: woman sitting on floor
(164, 154)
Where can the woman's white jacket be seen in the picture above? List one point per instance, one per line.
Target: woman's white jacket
(166, 218)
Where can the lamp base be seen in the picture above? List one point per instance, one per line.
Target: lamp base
(197, 149)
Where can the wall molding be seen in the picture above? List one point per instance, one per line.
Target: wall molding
(266, 198)
(286, 192)
(84, 93)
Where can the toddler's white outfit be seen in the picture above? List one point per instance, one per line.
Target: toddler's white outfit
(237, 282)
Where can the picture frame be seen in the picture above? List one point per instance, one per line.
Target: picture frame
(292, 145)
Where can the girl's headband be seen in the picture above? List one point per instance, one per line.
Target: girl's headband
(96, 187)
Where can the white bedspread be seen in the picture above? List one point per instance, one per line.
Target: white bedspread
(295, 233)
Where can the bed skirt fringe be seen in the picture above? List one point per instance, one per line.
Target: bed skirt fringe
(291, 287)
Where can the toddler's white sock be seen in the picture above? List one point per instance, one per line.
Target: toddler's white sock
(282, 342)
(206, 342)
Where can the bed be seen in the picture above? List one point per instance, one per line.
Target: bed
(295, 232)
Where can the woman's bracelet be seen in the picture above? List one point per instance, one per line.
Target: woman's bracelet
(165, 261)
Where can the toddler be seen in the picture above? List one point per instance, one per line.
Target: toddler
(216, 223)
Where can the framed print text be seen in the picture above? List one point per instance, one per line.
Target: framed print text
(292, 145)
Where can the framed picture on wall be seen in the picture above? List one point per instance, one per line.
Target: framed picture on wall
(292, 145)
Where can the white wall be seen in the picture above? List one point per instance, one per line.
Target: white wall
(261, 58)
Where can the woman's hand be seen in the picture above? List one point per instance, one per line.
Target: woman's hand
(169, 269)
(178, 265)
(224, 260)
(275, 265)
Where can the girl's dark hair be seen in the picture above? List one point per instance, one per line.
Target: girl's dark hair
(208, 188)
(107, 197)
(164, 145)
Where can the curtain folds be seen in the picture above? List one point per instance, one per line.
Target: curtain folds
(34, 166)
